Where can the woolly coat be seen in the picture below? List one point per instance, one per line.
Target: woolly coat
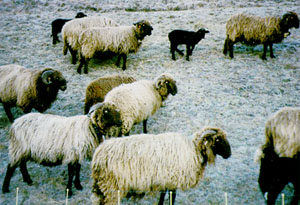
(52, 139)
(147, 162)
(72, 29)
(120, 40)
(254, 30)
(283, 129)
(136, 101)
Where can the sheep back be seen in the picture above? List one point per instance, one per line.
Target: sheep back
(120, 40)
(254, 30)
(282, 131)
(51, 139)
(98, 88)
(136, 101)
(145, 162)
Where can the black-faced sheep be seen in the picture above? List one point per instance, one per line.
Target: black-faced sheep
(253, 30)
(52, 140)
(57, 25)
(146, 163)
(72, 30)
(279, 156)
(189, 38)
(139, 100)
(97, 89)
(120, 40)
(29, 88)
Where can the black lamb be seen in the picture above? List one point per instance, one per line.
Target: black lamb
(57, 25)
(189, 38)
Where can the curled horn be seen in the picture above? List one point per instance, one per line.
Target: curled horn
(208, 132)
(46, 77)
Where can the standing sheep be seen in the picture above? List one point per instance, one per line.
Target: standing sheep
(51, 140)
(252, 30)
(189, 38)
(29, 88)
(139, 100)
(280, 155)
(72, 29)
(147, 163)
(120, 40)
(97, 89)
(57, 25)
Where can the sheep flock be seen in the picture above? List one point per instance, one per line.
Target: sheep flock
(170, 117)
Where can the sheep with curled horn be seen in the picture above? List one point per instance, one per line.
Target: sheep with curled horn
(147, 163)
(51, 140)
(29, 88)
(139, 100)
(253, 30)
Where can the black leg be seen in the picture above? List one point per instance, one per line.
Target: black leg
(172, 49)
(265, 51)
(71, 171)
(179, 51)
(188, 52)
(225, 47)
(124, 61)
(271, 51)
(145, 126)
(77, 177)
(230, 47)
(73, 54)
(8, 112)
(86, 64)
(162, 197)
(25, 174)
(9, 172)
(81, 64)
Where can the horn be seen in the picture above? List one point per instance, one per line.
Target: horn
(208, 132)
(94, 107)
(45, 77)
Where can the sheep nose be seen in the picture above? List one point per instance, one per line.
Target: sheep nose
(63, 87)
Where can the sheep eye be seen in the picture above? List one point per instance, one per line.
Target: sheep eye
(167, 82)
(105, 111)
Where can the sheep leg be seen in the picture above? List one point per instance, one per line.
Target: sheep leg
(25, 174)
(73, 54)
(180, 52)
(225, 47)
(77, 177)
(145, 126)
(173, 49)
(188, 52)
(71, 170)
(230, 44)
(8, 112)
(9, 172)
(271, 51)
(124, 61)
(265, 52)
(83, 62)
(162, 197)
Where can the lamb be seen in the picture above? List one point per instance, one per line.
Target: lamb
(282, 148)
(139, 100)
(120, 40)
(189, 38)
(97, 89)
(57, 25)
(252, 30)
(72, 29)
(51, 140)
(148, 162)
(29, 88)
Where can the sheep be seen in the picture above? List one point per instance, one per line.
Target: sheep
(189, 38)
(98, 88)
(148, 162)
(252, 30)
(51, 140)
(120, 40)
(57, 25)
(29, 88)
(139, 100)
(72, 29)
(280, 154)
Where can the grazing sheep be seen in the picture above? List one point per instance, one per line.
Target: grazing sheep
(97, 89)
(189, 38)
(72, 29)
(282, 148)
(57, 25)
(252, 30)
(120, 40)
(146, 163)
(52, 140)
(139, 100)
(29, 88)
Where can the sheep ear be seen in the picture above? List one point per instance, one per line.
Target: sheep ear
(47, 77)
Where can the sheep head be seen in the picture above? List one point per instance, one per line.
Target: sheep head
(143, 28)
(289, 20)
(201, 32)
(212, 141)
(53, 78)
(104, 116)
(80, 15)
(165, 84)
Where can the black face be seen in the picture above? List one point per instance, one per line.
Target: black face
(59, 80)
(80, 15)
(111, 117)
(145, 28)
(291, 20)
(171, 85)
(222, 147)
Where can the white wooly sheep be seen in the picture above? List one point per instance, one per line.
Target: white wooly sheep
(139, 100)
(72, 30)
(52, 140)
(148, 163)
(120, 40)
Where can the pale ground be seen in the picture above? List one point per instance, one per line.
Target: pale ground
(237, 94)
